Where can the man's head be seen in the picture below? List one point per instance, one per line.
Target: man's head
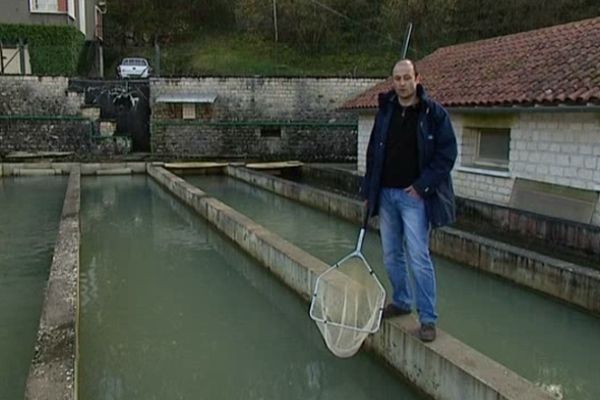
(405, 79)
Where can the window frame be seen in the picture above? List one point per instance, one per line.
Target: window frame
(495, 163)
(188, 111)
(66, 11)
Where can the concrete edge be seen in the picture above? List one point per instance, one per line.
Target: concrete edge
(562, 280)
(64, 168)
(445, 369)
(53, 370)
(565, 281)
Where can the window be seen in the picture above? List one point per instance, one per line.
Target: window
(486, 148)
(189, 111)
(52, 6)
(493, 148)
(99, 27)
(270, 131)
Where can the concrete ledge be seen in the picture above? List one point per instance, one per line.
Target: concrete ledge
(195, 168)
(445, 369)
(340, 206)
(566, 281)
(120, 168)
(57, 168)
(53, 371)
(37, 169)
(114, 171)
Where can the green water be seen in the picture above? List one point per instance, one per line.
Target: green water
(29, 219)
(545, 341)
(172, 310)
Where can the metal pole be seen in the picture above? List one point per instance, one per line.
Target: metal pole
(406, 40)
(275, 20)
(156, 57)
(1, 60)
(22, 55)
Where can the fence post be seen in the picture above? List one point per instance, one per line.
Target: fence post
(156, 57)
(22, 55)
(1, 59)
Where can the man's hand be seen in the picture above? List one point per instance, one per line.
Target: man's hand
(412, 192)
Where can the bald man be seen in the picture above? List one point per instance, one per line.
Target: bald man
(407, 183)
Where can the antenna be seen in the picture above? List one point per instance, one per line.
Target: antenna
(406, 40)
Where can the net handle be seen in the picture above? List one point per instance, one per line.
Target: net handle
(365, 216)
(363, 229)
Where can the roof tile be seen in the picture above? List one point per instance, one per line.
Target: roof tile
(546, 66)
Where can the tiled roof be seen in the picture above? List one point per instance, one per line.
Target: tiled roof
(549, 66)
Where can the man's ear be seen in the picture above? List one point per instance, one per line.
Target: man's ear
(418, 78)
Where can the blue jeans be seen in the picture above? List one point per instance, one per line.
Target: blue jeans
(404, 232)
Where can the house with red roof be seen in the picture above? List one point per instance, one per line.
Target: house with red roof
(526, 111)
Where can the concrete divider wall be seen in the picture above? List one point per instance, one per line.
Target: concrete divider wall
(580, 238)
(566, 281)
(561, 279)
(60, 168)
(53, 371)
(444, 369)
(350, 210)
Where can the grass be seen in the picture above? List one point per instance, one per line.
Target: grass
(245, 55)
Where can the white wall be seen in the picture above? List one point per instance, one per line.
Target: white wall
(558, 148)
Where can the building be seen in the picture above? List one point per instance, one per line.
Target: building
(526, 111)
(84, 15)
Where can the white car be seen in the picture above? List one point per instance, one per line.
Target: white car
(133, 68)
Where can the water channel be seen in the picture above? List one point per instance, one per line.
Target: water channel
(547, 342)
(172, 310)
(29, 219)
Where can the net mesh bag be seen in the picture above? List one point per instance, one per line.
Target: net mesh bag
(347, 304)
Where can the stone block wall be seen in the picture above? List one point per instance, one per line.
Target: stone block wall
(41, 135)
(305, 109)
(556, 148)
(365, 125)
(243, 141)
(38, 114)
(33, 95)
(269, 98)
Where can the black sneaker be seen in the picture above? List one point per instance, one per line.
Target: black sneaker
(391, 311)
(427, 332)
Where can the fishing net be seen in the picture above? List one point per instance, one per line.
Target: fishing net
(347, 303)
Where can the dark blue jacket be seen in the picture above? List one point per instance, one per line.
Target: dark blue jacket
(436, 144)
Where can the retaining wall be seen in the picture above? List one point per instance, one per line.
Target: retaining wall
(237, 140)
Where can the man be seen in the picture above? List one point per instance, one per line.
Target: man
(410, 154)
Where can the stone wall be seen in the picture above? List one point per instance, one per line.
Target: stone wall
(32, 95)
(44, 135)
(306, 110)
(38, 114)
(245, 141)
(269, 98)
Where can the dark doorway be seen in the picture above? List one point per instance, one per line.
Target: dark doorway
(124, 101)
